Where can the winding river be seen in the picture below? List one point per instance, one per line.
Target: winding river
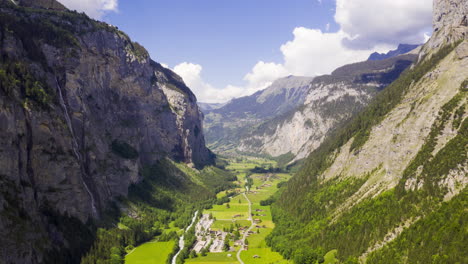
(181, 239)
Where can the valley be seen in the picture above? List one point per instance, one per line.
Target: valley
(108, 156)
(232, 230)
(243, 220)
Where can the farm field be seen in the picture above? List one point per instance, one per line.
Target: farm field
(214, 258)
(264, 186)
(150, 252)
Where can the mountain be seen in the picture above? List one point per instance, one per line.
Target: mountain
(226, 124)
(401, 49)
(389, 186)
(84, 112)
(209, 106)
(329, 101)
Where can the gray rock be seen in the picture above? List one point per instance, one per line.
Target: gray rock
(110, 112)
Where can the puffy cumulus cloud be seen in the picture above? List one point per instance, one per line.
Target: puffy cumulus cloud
(263, 74)
(365, 26)
(191, 74)
(313, 52)
(93, 8)
(370, 23)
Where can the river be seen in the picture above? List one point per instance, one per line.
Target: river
(181, 239)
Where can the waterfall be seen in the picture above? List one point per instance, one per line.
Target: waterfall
(75, 146)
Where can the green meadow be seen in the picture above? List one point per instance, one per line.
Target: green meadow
(150, 253)
(215, 258)
(263, 187)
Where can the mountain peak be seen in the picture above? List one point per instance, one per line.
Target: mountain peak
(450, 23)
(284, 84)
(401, 49)
(44, 4)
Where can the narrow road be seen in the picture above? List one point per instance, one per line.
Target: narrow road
(247, 231)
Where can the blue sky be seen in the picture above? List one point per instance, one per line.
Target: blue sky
(227, 37)
(230, 48)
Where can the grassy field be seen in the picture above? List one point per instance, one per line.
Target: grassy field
(266, 256)
(244, 164)
(150, 253)
(263, 187)
(215, 258)
(221, 212)
(220, 224)
(257, 245)
(330, 257)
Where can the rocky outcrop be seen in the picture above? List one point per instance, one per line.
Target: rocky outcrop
(83, 110)
(450, 23)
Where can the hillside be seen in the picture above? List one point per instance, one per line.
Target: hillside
(330, 101)
(390, 186)
(226, 125)
(83, 112)
(292, 117)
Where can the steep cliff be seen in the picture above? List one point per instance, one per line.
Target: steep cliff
(82, 110)
(329, 101)
(226, 125)
(450, 22)
(390, 186)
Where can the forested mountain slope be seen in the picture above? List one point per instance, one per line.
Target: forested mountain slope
(390, 186)
(84, 111)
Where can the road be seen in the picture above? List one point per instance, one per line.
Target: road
(247, 231)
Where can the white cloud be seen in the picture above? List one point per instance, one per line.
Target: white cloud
(263, 74)
(191, 74)
(313, 52)
(93, 8)
(370, 23)
(365, 26)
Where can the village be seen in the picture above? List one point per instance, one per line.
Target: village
(233, 230)
(227, 240)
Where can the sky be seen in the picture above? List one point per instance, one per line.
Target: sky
(230, 48)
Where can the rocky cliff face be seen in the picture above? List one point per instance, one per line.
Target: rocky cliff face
(450, 23)
(82, 110)
(329, 101)
(393, 181)
(227, 124)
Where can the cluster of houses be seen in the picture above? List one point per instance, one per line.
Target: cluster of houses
(212, 240)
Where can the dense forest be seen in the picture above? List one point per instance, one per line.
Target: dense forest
(169, 194)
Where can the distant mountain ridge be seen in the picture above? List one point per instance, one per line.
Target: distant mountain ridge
(293, 115)
(331, 100)
(401, 49)
(226, 124)
(209, 106)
